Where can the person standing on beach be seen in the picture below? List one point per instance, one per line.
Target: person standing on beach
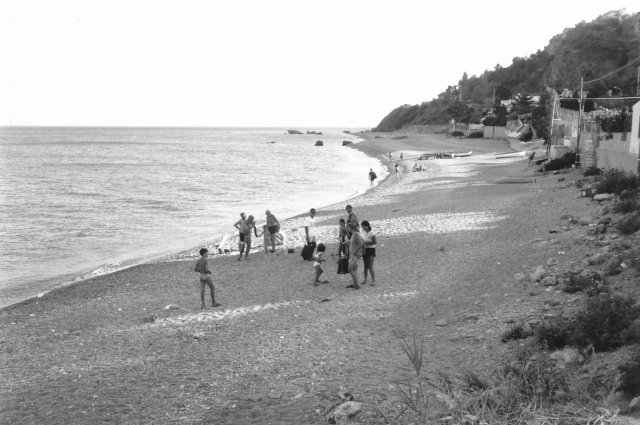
(352, 221)
(245, 230)
(238, 225)
(342, 238)
(309, 229)
(273, 225)
(369, 239)
(372, 177)
(356, 244)
(397, 167)
(202, 267)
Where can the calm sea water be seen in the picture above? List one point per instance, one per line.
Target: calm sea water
(80, 201)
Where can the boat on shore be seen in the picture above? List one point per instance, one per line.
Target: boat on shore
(520, 154)
(442, 155)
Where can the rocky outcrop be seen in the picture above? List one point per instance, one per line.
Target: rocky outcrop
(346, 143)
(294, 132)
(319, 143)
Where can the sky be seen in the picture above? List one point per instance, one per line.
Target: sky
(257, 63)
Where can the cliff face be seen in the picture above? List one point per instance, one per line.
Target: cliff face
(589, 50)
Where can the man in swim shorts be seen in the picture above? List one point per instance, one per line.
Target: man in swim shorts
(273, 225)
(239, 225)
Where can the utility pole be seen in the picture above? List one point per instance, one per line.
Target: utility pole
(580, 121)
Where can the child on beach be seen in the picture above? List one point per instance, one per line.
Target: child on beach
(266, 238)
(318, 259)
(369, 239)
(202, 267)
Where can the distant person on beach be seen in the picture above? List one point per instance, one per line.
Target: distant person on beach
(531, 156)
(390, 157)
(372, 176)
(273, 225)
(352, 221)
(356, 244)
(202, 267)
(310, 230)
(238, 225)
(369, 239)
(400, 155)
(245, 240)
(342, 238)
(318, 259)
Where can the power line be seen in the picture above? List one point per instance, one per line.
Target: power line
(622, 68)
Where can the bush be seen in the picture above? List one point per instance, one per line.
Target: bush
(457, 133)
(592, 171)
(630, 379)
(625, 206)
(566, 161)
(555, 334)
(629, 223)
(589, 283)
(614, 181)
(515, 333)
(606, 323)
(476, 135)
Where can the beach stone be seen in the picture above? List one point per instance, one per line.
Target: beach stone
(442, 322)
(171, 307)
(567, 356)
(538, 274)
(519, 277)
(602, 197)
(549, 281)
(345, 411)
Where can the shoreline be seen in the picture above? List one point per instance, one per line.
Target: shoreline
(375, 145)
(68, 279)
(185, 254)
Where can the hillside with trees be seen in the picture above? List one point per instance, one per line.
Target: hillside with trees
(589, 50)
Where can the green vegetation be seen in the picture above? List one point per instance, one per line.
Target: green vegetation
(607, 322)
(617, 182)
(565, 161)
(589, 50)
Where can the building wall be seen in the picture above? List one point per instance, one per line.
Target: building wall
(621, 152)
(492, 132)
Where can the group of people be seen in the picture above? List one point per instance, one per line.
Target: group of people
(247, 225)
(354, 245)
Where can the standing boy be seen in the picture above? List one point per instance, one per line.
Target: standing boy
(202, 267)
(356, 243)
(352, 221)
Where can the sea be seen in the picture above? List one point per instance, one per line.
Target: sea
(79, 202)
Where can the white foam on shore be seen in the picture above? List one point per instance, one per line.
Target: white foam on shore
(210, 316)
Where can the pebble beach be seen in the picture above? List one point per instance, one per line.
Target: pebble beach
(134, 346)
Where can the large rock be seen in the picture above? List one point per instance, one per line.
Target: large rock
(538, 274)
(294, 132)
(602, 197)
(345, 411)
(319, 143)
(567, 356)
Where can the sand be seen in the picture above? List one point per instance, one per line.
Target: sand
(134, 346)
